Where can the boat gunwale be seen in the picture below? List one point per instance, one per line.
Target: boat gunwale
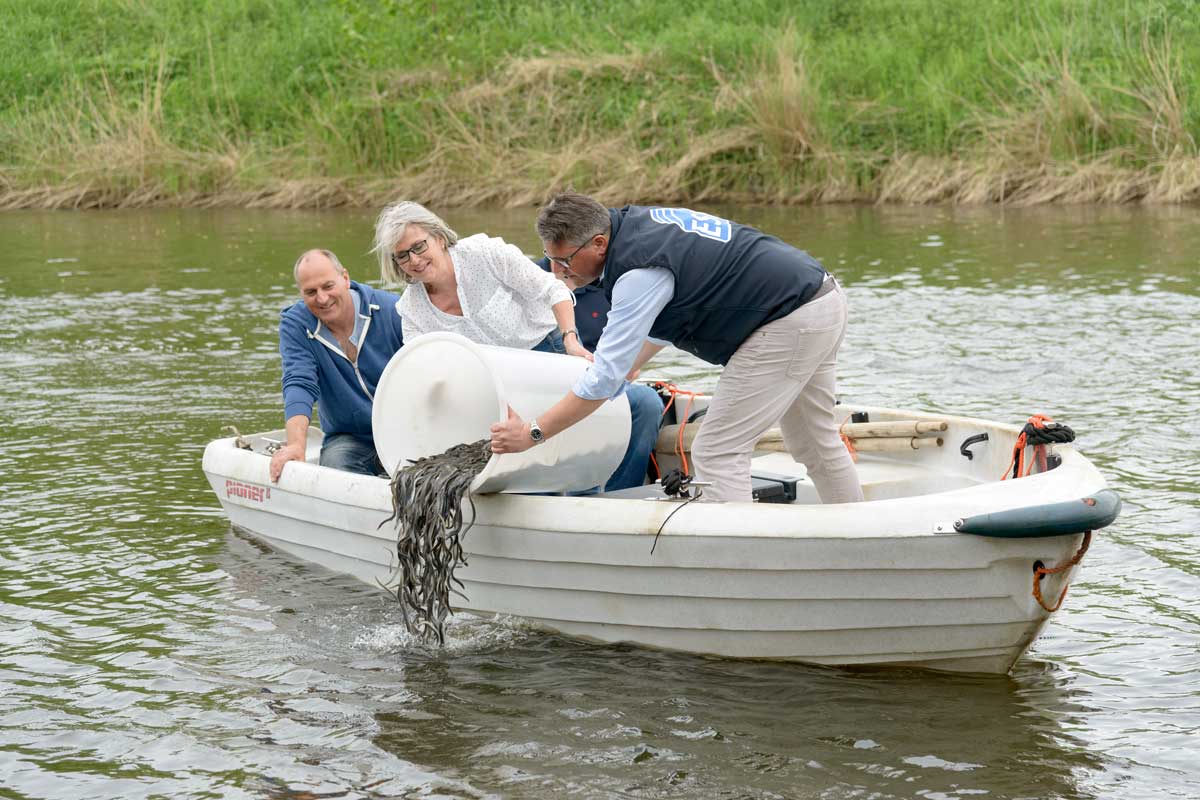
(1074, 479)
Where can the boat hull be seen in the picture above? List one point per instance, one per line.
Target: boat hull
(873, 583)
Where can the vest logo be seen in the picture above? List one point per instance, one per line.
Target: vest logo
(247, 491)
(696, 222)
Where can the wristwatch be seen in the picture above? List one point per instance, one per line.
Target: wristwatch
(535, 432)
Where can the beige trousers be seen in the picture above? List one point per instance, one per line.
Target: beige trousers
(784, 372)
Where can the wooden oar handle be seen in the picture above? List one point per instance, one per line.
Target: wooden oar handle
(905, 435)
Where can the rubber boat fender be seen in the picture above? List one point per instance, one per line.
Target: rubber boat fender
(1052, 519)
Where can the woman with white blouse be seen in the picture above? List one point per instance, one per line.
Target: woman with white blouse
(480, 286)
(492, 293)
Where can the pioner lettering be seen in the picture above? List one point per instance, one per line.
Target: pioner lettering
(247, 491)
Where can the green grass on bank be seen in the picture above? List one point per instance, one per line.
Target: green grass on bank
(265, 102)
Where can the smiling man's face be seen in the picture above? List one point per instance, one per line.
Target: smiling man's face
(324, 288)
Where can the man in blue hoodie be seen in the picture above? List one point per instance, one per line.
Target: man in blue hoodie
(334, 343)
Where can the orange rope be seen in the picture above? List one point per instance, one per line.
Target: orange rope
(1040, 572)
(1018, 456)
(675, 391)
(679, 440)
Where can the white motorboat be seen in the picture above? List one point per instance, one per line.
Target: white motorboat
(944, 565)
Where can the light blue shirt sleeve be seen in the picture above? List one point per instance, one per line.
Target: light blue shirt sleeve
(638, 297)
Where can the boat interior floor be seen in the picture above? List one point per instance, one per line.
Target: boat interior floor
(776, 478)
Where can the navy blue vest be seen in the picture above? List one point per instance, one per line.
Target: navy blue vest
(730, 279)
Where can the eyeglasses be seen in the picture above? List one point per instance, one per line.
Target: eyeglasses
(565, 261)
(404, 256)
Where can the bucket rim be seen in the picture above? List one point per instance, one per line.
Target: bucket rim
(476, 351)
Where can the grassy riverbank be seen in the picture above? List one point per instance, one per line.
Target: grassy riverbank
(272, 103)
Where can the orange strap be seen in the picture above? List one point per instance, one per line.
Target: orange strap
(1040, 572)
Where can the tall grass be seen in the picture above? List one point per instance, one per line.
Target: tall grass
(274, 103)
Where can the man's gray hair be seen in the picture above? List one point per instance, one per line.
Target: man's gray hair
(390, 227)
(572, 218)
(327, 253)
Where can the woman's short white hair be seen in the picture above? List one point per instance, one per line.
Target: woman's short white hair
(390, 227)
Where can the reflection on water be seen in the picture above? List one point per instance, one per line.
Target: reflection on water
(663, 725)
(147, 651)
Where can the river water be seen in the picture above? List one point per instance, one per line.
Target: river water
(149, 650)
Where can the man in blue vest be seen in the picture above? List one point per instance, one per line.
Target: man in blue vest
(334, 343)
(728, 294)
(645, 406)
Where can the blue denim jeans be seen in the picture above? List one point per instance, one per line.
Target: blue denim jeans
(349, 452)
(553, 343)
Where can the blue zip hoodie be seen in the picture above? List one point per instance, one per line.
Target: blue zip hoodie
(316, 372)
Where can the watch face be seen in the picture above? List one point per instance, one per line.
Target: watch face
(535, 433)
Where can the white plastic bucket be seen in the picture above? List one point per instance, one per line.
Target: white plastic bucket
(442, 389)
